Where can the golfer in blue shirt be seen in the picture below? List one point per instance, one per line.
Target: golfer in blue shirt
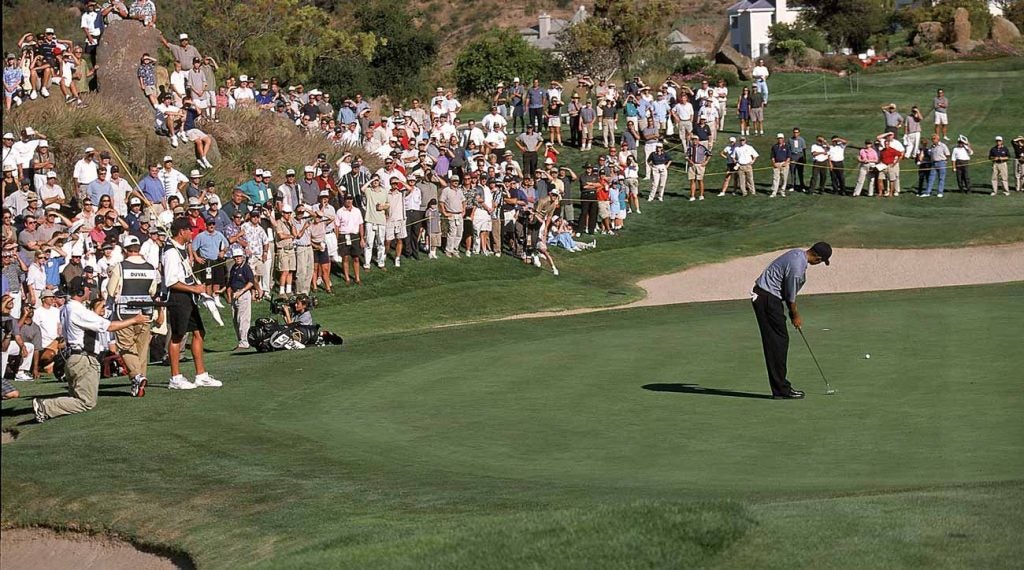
(779, 284)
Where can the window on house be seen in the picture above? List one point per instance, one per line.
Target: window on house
(734, 22)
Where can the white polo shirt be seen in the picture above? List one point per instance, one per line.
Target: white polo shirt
(819, 153)
(348, 221)
(86, 171)
(837, 152)
(745, 154)
(78, 319)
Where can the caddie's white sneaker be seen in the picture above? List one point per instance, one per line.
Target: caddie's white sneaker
(179, 382)
(207, 381)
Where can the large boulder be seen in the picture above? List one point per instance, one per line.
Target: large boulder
(929, 33)
(730, 56)
(810, 58)
(1004, 31)
(961, 34)
(118, 56)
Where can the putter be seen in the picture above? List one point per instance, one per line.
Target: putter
(828, 388)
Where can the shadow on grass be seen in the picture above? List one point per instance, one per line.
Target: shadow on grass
(697, 389)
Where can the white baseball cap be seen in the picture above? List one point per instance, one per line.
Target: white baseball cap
(289, 172)
(780, 136)
(51, 174)
(48, 31)
(135, 202)
(131, 240)
(286, 209)
(258, 172)
(309, 169)
(44, 143)
(237, 252)
(266, 173)
(515, 79)
(88, 149)
(195, 174)
(182, 36)
(324, 194)
(732, 139)
(9, 136)
(30, 131)
(243, 78)
(168, 158)
(999, 137)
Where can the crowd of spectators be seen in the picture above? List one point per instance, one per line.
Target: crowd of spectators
(450, 183)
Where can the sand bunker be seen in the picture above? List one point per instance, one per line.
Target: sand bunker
(42, 549)
(851, 270)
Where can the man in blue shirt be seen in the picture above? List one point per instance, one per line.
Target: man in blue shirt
(779, 284)
(535, 102)
(100, 187)
(150, 187)
(255, 190)
(210, 247)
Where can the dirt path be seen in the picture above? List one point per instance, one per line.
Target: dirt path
(851, 270)
(42, 549)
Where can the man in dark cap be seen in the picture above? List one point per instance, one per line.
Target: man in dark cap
(779, 284)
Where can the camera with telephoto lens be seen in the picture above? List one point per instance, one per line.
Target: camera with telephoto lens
(278, 304)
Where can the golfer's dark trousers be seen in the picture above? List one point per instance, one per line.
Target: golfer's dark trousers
(796, 171)
(536, 117)
(529, 163)
(819, 176)
(771, 320)
(588, 214)
(963, 176)
(412, 244)
(838, 177)
(574, 130)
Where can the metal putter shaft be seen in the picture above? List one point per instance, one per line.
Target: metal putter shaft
(828, 388)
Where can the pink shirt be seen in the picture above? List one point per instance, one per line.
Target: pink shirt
(868, 155)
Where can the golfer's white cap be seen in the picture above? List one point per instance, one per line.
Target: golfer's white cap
(135, 202)
(131, 240)
(237, 252)
(999, 137)
(182, 36)
(51, 174)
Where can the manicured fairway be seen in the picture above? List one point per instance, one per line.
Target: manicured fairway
(575, 442)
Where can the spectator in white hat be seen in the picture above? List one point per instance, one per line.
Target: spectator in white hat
(184, 53)
(242, 289)
(85, 173)
(43, 161)
(51, 192)
(288, 192)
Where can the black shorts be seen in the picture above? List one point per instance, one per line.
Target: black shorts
(350, 250)
(321, 257)
(217, 274)
(183, 315)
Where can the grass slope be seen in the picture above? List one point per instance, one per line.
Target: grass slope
(570, 443)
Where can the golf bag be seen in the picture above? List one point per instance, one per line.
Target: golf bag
(268, 335)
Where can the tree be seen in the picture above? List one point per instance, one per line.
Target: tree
(406, 51)
(632, 25)
(799, 31)
(587, 48)
(1014, 12)
(499, 56)
(848, 24)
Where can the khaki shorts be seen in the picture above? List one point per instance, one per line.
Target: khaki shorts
(604, 210)
(757, 114)
(696, 172)
(395, 230)
(286, 259)
(435, 240)
(941, 118)
(149, 90)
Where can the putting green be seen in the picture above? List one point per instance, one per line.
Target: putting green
(573, 442)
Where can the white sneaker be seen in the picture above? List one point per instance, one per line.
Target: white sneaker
(206, 161)
(218, 302)
(721, 194)
(44, 92)
(554, 271)
(179, 382)
(22, 376)
(398, 262)
(702, 197)
(183, 137)
(207, 381)
(33, 95)
(692, 199)
(536, 261)
(174, 142)
(469, 253)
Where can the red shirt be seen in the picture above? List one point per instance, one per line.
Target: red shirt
(890, 156)
(197, 223)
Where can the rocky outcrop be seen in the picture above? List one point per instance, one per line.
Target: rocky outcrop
(1004, 31)
(118, 57)
(730, 56)
(929, 34)
(961, 33)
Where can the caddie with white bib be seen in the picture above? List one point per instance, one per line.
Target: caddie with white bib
(131, 286)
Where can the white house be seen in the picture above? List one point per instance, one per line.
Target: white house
(749, 21)
(545, 34)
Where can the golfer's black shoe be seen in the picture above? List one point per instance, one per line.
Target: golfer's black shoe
(791, 395)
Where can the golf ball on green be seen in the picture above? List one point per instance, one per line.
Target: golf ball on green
(867, 356)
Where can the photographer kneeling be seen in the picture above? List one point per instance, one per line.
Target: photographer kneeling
(303, 314)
